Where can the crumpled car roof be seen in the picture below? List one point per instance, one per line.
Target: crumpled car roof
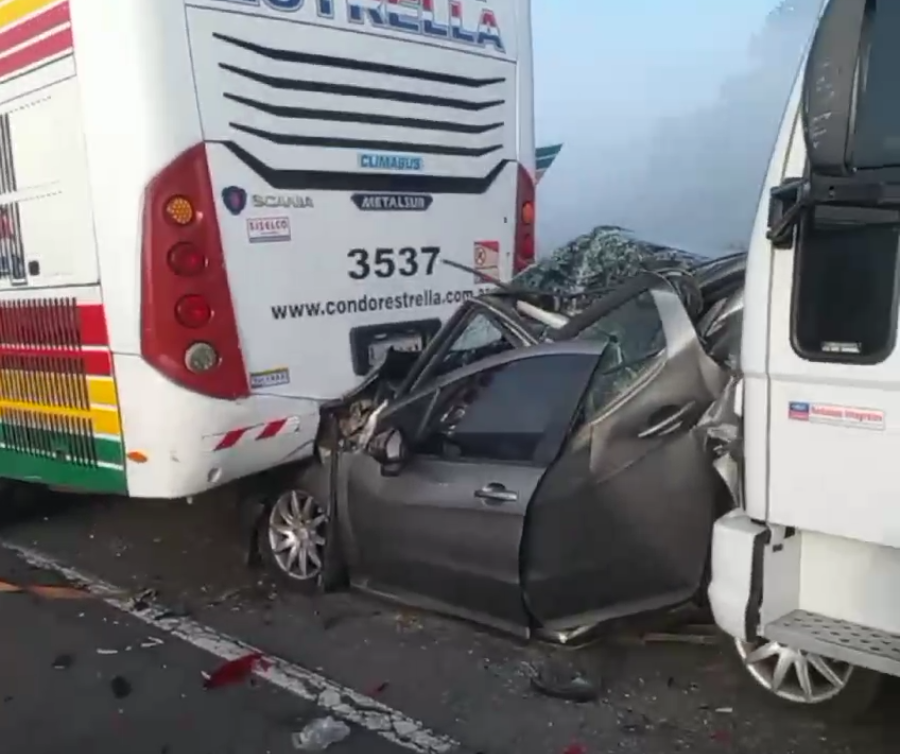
(602, 259)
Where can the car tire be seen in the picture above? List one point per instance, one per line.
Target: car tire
(842, 702)
(297, 534)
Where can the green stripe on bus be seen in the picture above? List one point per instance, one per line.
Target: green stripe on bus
(29, 468)
(47, 442)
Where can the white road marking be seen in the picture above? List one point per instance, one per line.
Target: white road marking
(334, 699)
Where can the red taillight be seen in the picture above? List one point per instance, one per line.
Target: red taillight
(193, 311)
(188, 327)
(525, 216)
(186, 260)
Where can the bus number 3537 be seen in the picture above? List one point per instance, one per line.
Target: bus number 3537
(386, 263)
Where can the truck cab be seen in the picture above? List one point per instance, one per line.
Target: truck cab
(805, 570)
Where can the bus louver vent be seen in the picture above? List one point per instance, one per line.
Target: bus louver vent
(40, 364)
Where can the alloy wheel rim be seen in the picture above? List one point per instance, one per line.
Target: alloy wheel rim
(792, 674)
(297, 535)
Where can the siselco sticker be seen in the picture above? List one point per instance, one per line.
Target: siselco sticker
(437, 19)
(268, 229)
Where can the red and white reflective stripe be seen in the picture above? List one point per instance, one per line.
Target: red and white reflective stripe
(257, 432)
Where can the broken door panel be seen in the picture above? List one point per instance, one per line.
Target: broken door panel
(622, 521)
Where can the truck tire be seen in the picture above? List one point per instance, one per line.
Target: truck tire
(842, 693)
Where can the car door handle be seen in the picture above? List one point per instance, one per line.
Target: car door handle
(496, 494)
(667, 420)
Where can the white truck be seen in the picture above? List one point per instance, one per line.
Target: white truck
(805, 572)
(215, 214)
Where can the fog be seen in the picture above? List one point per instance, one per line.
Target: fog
(667, 113)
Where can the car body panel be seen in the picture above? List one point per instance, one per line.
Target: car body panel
(423, 535)
(613, 509)
(622, 522)
(434, 532)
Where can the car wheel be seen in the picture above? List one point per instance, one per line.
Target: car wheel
(809, 681)
(297, 536)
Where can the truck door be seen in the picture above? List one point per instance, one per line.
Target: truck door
(833, 363)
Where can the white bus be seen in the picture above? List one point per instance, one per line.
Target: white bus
(215, 214)
(805, 573)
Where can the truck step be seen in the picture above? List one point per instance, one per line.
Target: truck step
(837, 639)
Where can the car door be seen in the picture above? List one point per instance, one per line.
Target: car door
(621, 523)
(445, 532)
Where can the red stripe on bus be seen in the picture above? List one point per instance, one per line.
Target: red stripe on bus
(56, 360)
(92, 325)
(271, 429)
(43, 49)
(231, 438)
(34, 26)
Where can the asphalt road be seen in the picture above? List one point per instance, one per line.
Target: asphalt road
(467, 684)
(80, 676)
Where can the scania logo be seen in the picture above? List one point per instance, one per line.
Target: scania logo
(289, 201)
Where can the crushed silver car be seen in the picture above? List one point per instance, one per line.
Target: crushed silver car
(538, 467)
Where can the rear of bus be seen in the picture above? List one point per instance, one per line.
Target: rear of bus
(353, 147)
(300, 170)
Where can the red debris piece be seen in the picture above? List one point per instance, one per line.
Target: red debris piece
(378, 688)
(722, 736)
(575, 749)
(236, 671)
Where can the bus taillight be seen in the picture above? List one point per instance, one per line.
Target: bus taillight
(188, 326)
(525, 210)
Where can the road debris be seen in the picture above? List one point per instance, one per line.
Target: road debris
(564, 683)
(679, 638)
(319, 734)
(235, 671)
(721, 736)
(144, 600)
(178, 611)
(48, 592)
(121, 687)
(63, 662)
(107, 651)
(224, 597)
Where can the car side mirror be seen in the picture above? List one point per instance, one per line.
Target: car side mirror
(390, 449)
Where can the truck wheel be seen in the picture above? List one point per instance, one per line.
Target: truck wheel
(808, 681)
(297, 535)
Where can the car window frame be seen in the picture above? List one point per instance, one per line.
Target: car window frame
(422, 373)
(551, 445)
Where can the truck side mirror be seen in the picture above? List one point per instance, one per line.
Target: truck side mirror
(832, 83)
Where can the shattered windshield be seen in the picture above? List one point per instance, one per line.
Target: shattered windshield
(598, 261)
